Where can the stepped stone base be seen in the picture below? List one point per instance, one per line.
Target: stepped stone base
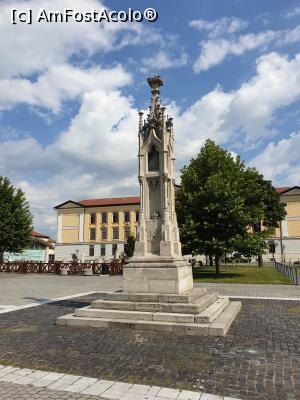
(157, 274)
(196, 312)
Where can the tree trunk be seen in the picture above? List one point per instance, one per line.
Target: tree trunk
(217, 262)
(1, 257)
(211, 263)
(260, 261)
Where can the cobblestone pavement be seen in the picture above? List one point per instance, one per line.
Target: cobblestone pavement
(258, 291)
(22, 384)
(258, 359)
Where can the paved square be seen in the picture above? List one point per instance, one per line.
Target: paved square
(258, 359)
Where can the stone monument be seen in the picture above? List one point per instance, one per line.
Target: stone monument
(158, 293)
(157, 265)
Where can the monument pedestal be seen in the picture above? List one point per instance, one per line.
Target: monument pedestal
(157, 274)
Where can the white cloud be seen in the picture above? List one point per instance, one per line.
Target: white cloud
(224, 42)
(294, 12)
(37, 61)
(100, 142)
(224, 25)
(243, 116)
(27, 49)
(163, 59)
(215, 51)
(275, 85)
(58, 83)
(290, 37)
(96, 155)
(280, 161)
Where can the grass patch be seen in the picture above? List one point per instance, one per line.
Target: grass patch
(241, 274)
(191, 362)
(23, 328)
(294, 310)
(43, 366)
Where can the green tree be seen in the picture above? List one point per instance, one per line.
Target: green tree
(219, 201)
(15, 219)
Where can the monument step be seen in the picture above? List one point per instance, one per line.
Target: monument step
(212, 311)
(219, 327)
(155, 297)
(134, 315)
(141, 325)
(185, 308)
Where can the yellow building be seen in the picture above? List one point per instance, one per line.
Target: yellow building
(95, 228)
(285, 244)
(99, 227)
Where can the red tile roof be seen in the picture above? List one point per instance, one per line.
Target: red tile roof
(110, 201)
(282, 189)
(38, 235)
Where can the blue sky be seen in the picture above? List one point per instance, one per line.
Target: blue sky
(70, 93)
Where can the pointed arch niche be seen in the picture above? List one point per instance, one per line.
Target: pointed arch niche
(153, 159)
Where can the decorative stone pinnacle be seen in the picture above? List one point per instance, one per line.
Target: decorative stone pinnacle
(155, 82)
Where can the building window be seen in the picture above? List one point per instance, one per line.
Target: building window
(127, 216)
(137, 216)
(104, 234)
(115, 217)
(104, 218)
(115, 233)
(103, 250)
(114, 249)
(153, 160)
(92, 234)
(91, 250)
(93, 219)
(126, 232)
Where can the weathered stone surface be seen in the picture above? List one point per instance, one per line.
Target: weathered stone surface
(212, 311)
(161, 278)
(98, 387)
(172, 317)
(113, 305)
(165, 286)
(113, 314)
(99, 323)
(222, 323)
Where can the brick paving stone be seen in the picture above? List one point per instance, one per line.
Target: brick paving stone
(188, 395)
(259, 358)
(80, 385)
(169, 393)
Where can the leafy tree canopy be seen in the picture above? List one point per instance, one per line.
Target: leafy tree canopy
(219, 202)
(15, 218)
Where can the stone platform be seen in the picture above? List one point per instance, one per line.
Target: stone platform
(157, 274)
(197, 312)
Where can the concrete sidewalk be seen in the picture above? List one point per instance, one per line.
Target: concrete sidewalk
(24, 289)
(17, 383)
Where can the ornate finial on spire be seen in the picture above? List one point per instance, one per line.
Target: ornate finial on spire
(155, 82)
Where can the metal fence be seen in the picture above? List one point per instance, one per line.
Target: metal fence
(114, 267)
(290, 272)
